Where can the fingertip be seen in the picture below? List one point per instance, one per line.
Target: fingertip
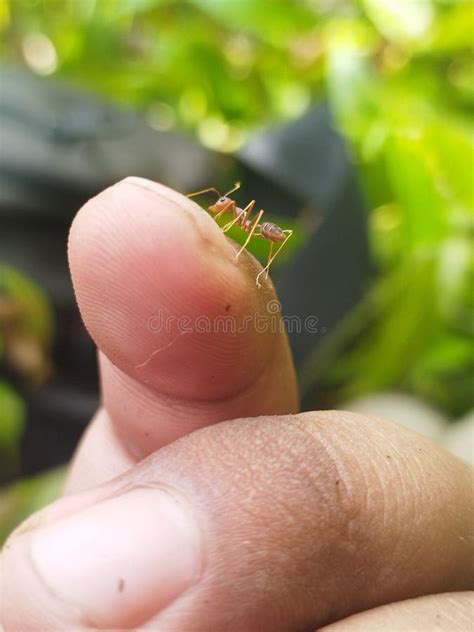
(154, 278)
(142, 210)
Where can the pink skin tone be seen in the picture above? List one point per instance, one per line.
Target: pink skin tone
(175, 519)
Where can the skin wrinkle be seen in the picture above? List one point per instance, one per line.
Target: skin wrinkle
(349, 538)
(410, 496)
(390, 517)
(342, 493)
(406, 494)
(159, 350)
(333, 447)
(200, 342)
(281, 512)
(460, 610)
(256, 385)
(436, 467)
(317, 570)
(391, 457)
(393, 519)
(328, 498)
(418, 484)
(121, 360)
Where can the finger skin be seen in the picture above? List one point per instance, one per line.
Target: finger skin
(186, 338)
(305, 519)
(448, 612)
(101, 455)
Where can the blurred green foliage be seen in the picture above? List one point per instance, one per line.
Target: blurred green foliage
(20, 500)
(399, 79)
(26, 331)
(12, 416)
(26, 327)
(25, 313)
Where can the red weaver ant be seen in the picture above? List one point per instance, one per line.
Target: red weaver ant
(268, 230)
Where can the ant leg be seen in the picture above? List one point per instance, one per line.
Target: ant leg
(224, 210)
(242, 215)
(216, 217)
(254, 226)
(234, 221)
(190, 195)
(272, 259)
(269, 256)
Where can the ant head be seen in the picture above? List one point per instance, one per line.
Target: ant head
(224, 203)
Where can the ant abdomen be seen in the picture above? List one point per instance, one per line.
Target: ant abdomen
(272, 232)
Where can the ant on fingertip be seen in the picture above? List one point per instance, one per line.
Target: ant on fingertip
(268, 230)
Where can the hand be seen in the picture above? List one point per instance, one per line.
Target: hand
(172, 521)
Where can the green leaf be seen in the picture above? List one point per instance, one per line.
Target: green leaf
(453, 30)
(12, 417)
(412, 181)
(394, 324)
(273, 21)
(36, 314)
(449, 148)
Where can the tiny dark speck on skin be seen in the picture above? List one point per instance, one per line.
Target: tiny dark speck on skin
(227, 307)
(121, 584)
(388, 456)
(337, 482)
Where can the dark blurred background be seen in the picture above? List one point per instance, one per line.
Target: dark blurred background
(348, 120)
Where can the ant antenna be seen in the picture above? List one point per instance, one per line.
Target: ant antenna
(235, 187)
(213, 189)
(189, 195)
